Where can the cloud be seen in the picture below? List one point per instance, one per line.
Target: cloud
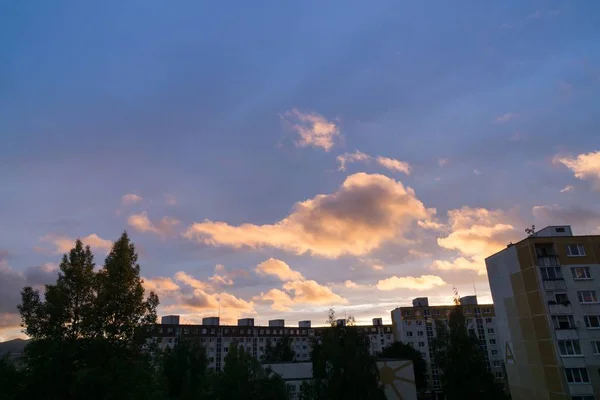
(506, 117)
(394, 165)
(424, 282)
(189, 280)
(313, 129)
(141, 223)
(477, 172)
(161, 285)
(585, 166)
(130, 199)
(170, 199)
(348, 158)
(311, 292)
(367, 210)
(442, 161)
(567, 188)
(11, 284)
(351, 285)
(390, 163)
(64, 244)
(582, 218)
(281, 301)
(475, 233)
(279, 269)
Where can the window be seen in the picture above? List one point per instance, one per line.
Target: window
(409, 334)
(419, 333)
(592, 321)
(596, 347)
(569, 347)
(419, 323)
(575, 250)
(560, 230)
(561, 298)
(488, 320)
(494, 352)
(587, 296)
(492, 341)
(436, 312)
(498, 375)
(406, 313)
(563, 321)
(551, 273)
(577, 375)
(426, 313)
(407, 323)
(491, 331)
(581, 273)
(421, 344)
(497, 363)
(467, 311)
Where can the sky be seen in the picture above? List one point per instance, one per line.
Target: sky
(277, 159)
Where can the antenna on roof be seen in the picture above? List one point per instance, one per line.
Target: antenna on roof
(530, 231)
(474, 288)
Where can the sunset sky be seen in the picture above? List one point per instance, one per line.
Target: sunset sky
(276, 159)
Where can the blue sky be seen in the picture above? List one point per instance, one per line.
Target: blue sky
(487, 112)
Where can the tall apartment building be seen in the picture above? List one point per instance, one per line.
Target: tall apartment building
(416, 326)
(217, 338)
(545, 289)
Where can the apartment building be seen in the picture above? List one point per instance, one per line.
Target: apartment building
(545, 289)
(416, 326)
(218, 338)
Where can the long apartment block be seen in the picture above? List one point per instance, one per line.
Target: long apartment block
(217, 338)
(416, 326)
(546, 290)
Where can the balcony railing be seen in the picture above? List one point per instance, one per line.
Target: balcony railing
(557, 284)
(548, 261)
(560, 308)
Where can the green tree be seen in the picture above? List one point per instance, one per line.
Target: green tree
(404, 351)
(281, 352)
(11, 379)
(244, 377)
(460, 358)
(343, 367)
(184, 371)
(90, 332)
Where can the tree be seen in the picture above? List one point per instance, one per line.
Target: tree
(404, 351)
(122, 314)
(244, 377)
(184, 371)
(11, 379)
(65, 312)
(343, 367)
(89, 333)
(281, 352)
(460, 358)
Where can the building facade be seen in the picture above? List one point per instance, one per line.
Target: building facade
(546, 289)
(218, 338)
(416, 326)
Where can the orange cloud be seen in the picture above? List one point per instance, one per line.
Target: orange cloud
(310, 292)
(475, 233)
(394, 165)
(190, 281)
(141, 223)
(130, 199)
(280, 299)
(584, 166)
(424, 282)
(390, 163)
(161, 285)
(314, 129)
(279, 269)
(64, 244)
(367, 210)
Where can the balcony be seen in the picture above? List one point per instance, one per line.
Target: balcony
(554, 284)
(559, 308)
(548, 261)
(566, 334)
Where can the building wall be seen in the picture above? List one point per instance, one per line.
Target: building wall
(524, 297)
(416, 326)
(218, 339)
